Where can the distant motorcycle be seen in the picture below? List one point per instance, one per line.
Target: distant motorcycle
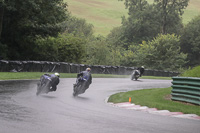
(80, 86)
(43, 87)
(135, 75)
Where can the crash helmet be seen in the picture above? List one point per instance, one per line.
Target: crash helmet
(57, 74)
(142, 66)
(88, 69)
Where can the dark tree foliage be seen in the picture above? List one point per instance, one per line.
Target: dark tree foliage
(78, 27)
(190, 42)
(169, 11)
(1, 15)
(146, 21)
(24, 20)
(64, 47)
(141, 24)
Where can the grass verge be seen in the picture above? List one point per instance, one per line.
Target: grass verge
(155, 98)
(36, 75)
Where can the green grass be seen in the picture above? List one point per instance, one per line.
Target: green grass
(103, 14)
(36, 75)
(19, 75)
(106, 14)
(191, 11)
(156, 77)
(155, 98)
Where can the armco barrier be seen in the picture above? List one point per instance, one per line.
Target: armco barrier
(186, 89)
(64, 67)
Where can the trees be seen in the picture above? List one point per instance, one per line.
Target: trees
(128, 57)
(24, 20)
(116, 45)
(71, 48)
(162, 53)
(65, 48)
(141, 25)
(144, 23)
(190, 41)
(78, 27)
(146, 20)
(1, 15)
(169, 11)
(33, 30)
(98, 52)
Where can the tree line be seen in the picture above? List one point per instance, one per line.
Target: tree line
(152, 35)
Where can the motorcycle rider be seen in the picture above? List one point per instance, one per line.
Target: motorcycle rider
(141, 69)
(86, 75)
(54, 78)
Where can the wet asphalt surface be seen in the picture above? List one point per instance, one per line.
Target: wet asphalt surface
(21, 111)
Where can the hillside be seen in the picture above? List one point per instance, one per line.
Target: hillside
(106, 14)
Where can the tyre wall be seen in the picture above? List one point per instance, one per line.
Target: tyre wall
(63, 67)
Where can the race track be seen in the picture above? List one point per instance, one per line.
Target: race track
(59, 112)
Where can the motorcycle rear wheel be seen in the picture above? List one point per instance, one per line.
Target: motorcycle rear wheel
(40, 88)
(77, 89)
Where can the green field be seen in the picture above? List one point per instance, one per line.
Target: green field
(106, 14)
(103, 14)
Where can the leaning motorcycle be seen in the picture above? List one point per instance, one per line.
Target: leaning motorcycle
(79, 87)
(135, 75)
(43, 87)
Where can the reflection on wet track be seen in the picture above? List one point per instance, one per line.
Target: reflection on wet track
(21, 111)
(10, 109)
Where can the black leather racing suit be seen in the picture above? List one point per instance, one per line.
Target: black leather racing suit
(53, 78)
